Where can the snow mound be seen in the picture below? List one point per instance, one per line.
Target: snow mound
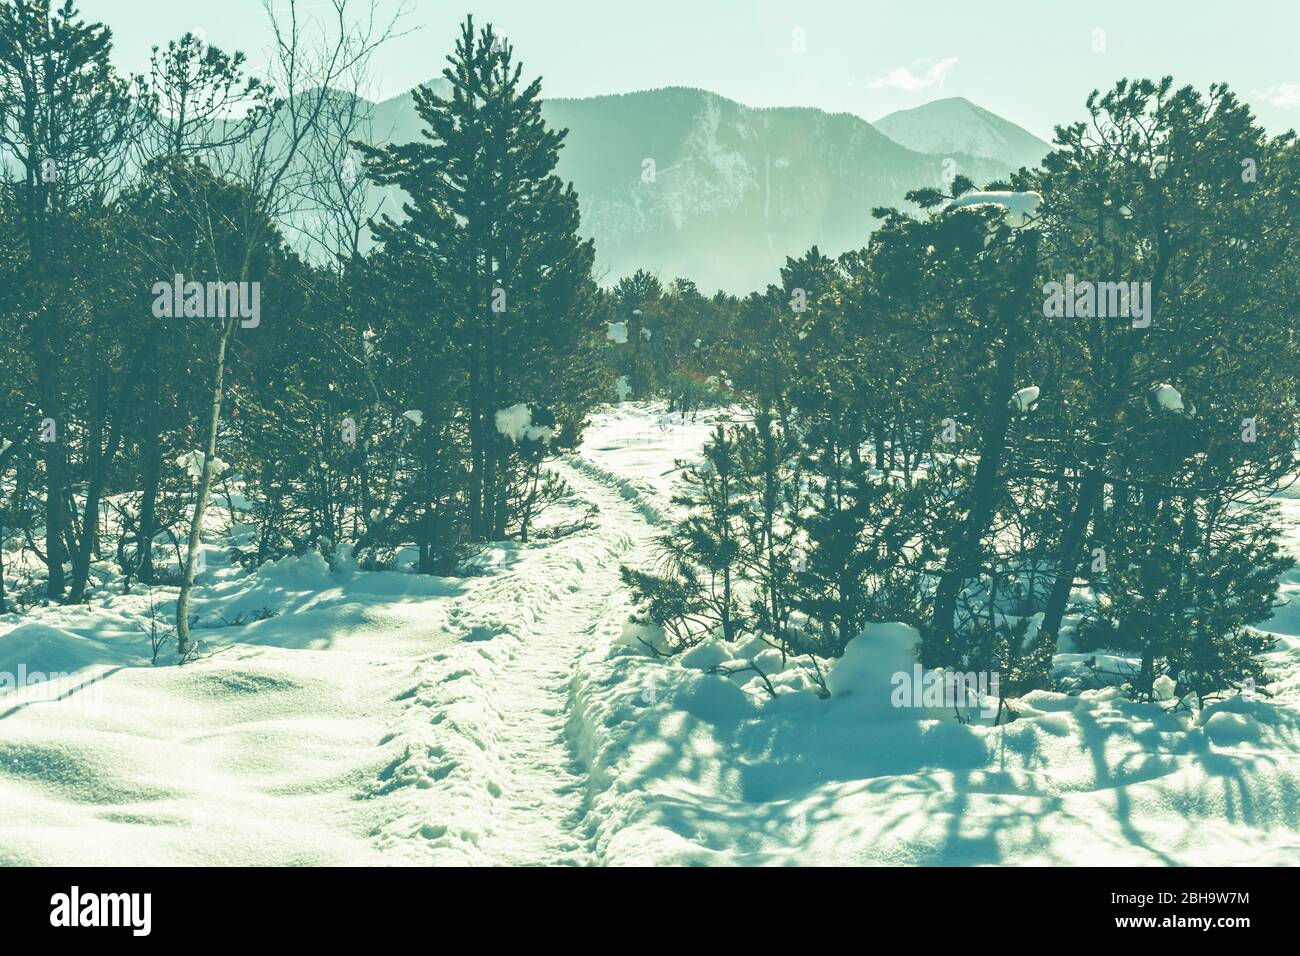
(865, 671)
(1225, 728)
(37, 647)
(1024, 399)
(707, 654)
(642, 639)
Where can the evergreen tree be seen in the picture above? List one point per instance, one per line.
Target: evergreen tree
(488, 216)
(65, 121)
(697, 589)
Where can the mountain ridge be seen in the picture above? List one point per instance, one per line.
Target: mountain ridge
(687, 182)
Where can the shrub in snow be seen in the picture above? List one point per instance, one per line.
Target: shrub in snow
(696, 589)
(854, 529)
(1184, 586)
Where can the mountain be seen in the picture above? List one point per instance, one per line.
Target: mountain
(955, 126)
(734, 189)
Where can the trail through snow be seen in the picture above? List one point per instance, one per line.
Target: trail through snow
(486, 736)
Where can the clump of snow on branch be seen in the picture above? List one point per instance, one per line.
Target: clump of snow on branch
(192, 463)
(1024, 399)
(1167, 397)
(617, 333)
(1021, 207)
(516, 423)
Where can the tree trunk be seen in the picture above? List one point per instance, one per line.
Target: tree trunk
(81, 558)
(963, 559)
(205, 487)
(55, 469)
(1070, 555)
(150, 477)
(100, 461)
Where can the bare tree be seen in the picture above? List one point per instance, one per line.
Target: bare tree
(308, 58)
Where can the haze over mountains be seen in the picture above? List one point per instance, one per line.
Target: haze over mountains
(685, 182)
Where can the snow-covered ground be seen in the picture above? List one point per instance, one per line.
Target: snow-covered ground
(512, 716)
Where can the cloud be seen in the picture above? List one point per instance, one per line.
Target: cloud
(1283, 95)
(904, 79)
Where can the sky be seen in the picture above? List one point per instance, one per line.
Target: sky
(1030, 61)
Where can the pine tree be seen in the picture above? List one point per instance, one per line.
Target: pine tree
(490, 219)
(771, 484)
(697, 588)
(1163, 200)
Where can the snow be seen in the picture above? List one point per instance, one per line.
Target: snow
(1025, 398)
(518, 715)
(1224, 728)
(869, 660)
(414, 416)
(192, 463)
(1164, 687)
(516, 423)
(1020, 206)
(1167, 397)
(955, 126)
(617, 332)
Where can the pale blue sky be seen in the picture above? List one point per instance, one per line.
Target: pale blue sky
(1031, 61)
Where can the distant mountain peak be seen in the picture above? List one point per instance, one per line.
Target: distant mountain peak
(955, 125)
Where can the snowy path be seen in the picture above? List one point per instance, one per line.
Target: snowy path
(485, 735)
(541, 815)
